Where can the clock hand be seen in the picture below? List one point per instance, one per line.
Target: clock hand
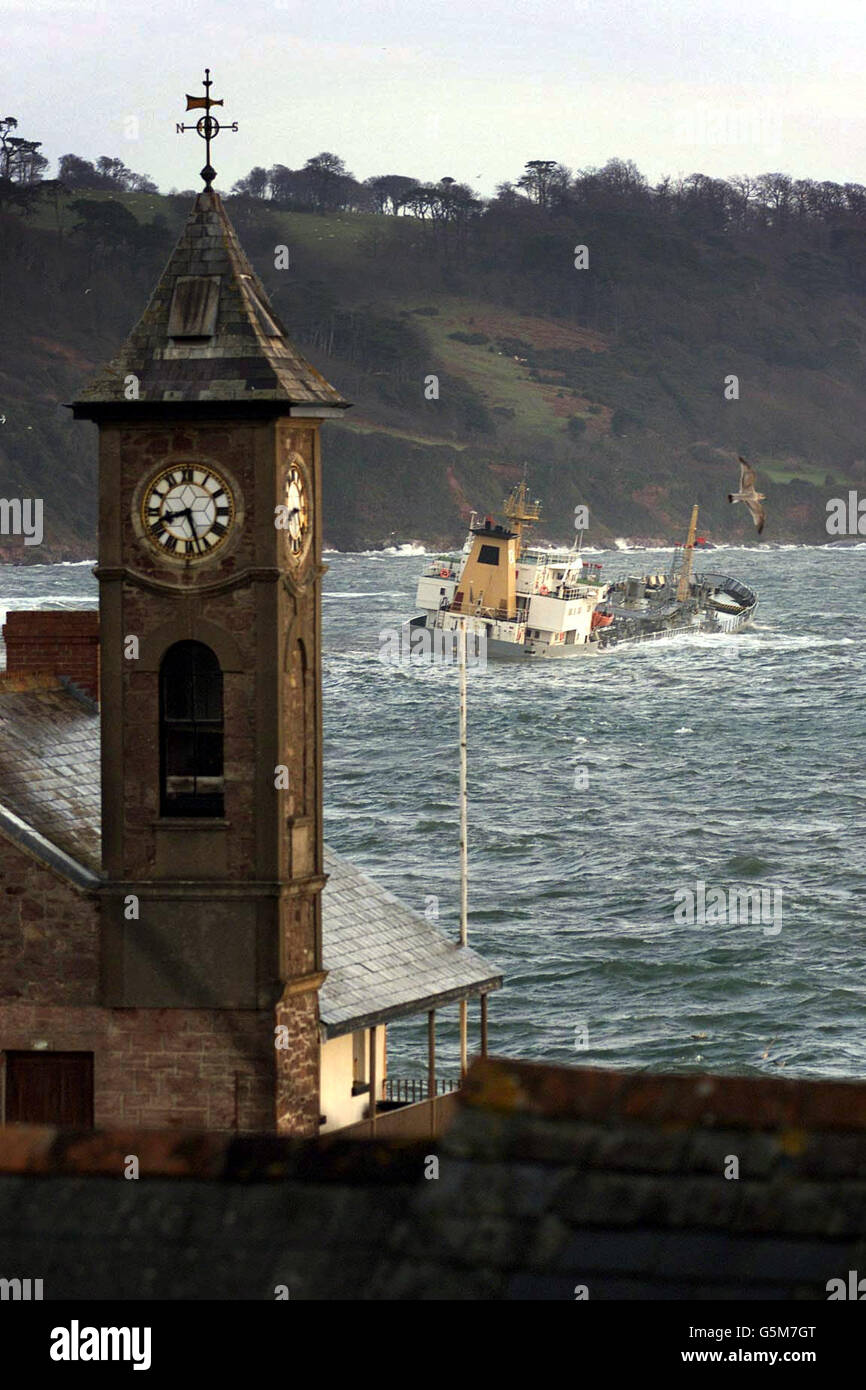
(173, 516)
(187, 512)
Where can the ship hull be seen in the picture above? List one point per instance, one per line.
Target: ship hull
(517, 651)
(512, 651)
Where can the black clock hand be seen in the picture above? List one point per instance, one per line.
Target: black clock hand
(173, 516)
(195, 536)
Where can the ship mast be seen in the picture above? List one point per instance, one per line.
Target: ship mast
(520, 511)
(688, 553)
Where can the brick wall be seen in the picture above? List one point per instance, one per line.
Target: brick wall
(199, 1068)
(49, 935)
(54, 643)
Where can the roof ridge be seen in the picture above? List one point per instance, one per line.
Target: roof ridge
(49, 854)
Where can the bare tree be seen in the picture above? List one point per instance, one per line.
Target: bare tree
(390, 191)
(774, 191)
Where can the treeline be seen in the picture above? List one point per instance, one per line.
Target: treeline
(107, 173)
(23, 166)
(324, 185)
(772, 201)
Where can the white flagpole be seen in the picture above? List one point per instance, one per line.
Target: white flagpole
(464, 846)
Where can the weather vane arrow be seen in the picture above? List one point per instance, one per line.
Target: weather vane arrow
(207, 126)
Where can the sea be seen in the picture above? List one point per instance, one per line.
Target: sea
(619, 806)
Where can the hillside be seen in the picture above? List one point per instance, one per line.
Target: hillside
(609, 382)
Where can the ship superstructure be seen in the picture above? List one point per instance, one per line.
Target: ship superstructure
(525, 601)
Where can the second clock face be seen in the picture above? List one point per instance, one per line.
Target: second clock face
(187, 511)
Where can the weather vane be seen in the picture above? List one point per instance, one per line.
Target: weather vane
(207, 126)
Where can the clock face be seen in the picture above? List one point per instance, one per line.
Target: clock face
(187, 511)
(297, 510)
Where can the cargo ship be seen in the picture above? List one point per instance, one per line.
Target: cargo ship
(523, 602)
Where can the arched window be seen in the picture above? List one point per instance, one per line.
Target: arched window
(191, 731)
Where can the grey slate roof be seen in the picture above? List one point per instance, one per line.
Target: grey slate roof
(384, 960)
(208, 333)
(49, 768)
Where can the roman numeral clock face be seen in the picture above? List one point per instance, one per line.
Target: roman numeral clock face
(187, 512)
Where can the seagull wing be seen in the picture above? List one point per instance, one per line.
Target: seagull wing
(748, 476)
(758, 514)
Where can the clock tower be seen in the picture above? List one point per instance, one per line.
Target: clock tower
(209, 575)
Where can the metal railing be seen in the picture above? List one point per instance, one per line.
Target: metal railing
(724, 583)
(406, 1090)
(423, 1119)
(475, 610)
(434, 568)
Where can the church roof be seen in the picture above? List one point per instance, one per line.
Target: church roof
(383, 960)
(209, 333)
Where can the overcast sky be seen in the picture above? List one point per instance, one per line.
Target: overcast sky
(466, 88)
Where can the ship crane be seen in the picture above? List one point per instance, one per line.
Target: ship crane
(521, 512)
(684, 586)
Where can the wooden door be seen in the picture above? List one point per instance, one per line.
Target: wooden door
(50, 1088)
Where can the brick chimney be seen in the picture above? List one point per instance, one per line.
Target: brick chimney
(54, 643)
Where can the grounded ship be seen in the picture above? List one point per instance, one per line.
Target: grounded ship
(522, 601)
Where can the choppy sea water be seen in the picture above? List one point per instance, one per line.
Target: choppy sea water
(736, 761)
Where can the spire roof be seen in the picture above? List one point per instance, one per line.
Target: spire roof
(209, 333)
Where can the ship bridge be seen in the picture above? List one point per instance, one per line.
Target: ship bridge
(488, 582)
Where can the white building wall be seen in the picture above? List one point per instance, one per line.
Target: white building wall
(337, 1075)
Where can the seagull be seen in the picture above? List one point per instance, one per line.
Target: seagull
(748, 494)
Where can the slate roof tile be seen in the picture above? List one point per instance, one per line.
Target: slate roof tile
(49, 768)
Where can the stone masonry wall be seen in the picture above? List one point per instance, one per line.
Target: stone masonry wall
(297, 1081)
(207, 1068)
